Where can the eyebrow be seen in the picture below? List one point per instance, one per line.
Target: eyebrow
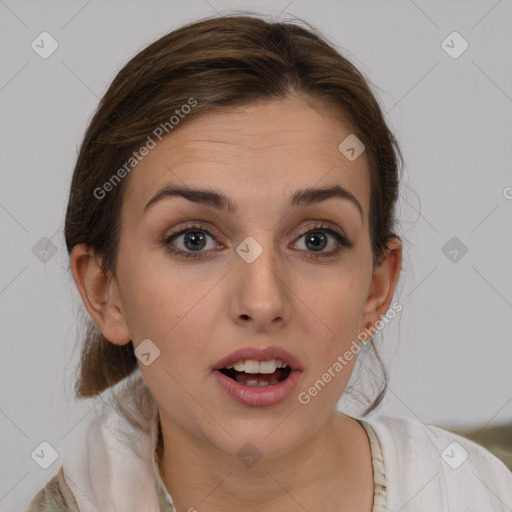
(307, 196)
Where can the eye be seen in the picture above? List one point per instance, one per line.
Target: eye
(316, 239)
(194, 238)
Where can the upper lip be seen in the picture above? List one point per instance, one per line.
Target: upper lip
(259, 354)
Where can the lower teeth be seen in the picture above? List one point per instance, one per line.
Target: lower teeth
(255, 383)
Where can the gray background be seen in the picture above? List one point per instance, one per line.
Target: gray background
(449, 354)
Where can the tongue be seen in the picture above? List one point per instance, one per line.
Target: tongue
(242, 377)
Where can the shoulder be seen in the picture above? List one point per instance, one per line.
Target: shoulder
(432, 465)
(55, 496)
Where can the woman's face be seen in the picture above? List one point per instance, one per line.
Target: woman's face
(250, 278)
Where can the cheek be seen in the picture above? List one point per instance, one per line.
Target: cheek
(152, 293)
(158, 292)
(332, 330)
(334, 305)
(173, 324)
(151, 309)
(174, 312)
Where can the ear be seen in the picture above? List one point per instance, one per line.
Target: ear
(100, 294)
(382, 286)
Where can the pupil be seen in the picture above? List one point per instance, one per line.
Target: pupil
(318, 243)
(194, 237)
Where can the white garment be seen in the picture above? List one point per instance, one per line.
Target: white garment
(108, 465)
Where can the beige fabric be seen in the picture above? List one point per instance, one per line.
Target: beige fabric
(379, 473)
(55, 496)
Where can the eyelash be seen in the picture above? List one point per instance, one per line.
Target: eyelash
(343, 241)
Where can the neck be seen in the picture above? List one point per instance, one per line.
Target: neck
(336, 460)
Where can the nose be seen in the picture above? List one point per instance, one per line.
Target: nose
(261, 292)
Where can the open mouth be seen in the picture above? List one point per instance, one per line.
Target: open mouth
(257, 379)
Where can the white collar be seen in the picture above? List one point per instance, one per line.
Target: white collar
(108, 465)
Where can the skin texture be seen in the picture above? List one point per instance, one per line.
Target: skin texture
(199, 311)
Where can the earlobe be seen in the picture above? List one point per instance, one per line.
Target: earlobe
(383, 284)
(96, 290)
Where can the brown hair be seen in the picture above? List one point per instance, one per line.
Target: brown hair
(219, 62)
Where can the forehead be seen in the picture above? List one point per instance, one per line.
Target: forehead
(261, 151)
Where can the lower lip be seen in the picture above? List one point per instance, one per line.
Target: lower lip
(263, 396)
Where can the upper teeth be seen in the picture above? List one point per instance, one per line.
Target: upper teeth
(251, 366)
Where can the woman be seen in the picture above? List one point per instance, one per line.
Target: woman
(231, 233)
